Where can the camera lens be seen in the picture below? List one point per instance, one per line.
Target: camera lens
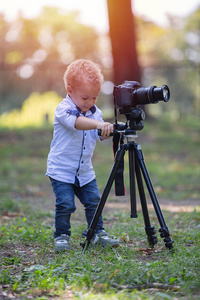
(166, 93)
(161, 93)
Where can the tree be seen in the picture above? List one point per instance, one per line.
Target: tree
(123, 41)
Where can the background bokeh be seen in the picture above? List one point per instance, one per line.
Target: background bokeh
(36, 49)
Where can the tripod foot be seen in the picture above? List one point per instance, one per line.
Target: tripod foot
(152, 238)
(168, 243)
(84, 246)
(164, 233)
(88, 235)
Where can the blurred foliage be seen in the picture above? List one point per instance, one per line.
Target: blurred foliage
(36, 111)
(34, 54)
(172, 56)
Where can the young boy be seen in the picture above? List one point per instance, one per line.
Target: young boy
(69, 166)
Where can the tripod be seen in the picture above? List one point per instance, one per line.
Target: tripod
(137, 169)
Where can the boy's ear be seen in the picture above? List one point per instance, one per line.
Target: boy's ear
(69, 89)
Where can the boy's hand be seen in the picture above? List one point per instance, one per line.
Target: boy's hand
(106, 128)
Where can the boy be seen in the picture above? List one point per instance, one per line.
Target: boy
(69, 166)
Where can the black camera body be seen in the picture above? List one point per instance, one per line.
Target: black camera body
(130, 94)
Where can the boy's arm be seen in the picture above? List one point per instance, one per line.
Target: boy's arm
(83, 123)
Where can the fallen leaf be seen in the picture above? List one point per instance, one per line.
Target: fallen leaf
(99, 285)
(113, 274)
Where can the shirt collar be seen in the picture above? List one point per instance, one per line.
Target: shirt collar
(92, 110)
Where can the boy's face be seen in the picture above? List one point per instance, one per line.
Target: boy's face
(84, 95)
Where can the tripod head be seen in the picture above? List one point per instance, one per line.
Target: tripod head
(134, 118)
(134, 122)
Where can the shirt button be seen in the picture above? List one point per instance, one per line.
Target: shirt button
(82, 162)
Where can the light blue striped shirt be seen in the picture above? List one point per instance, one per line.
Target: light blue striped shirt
(71, 150)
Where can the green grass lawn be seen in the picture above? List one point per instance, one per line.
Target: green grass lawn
(31, 270)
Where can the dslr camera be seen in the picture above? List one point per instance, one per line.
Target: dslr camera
(130, 94)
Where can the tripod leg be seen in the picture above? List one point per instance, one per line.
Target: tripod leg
(164, 232)
(91, 230)
(150, 229)
(132, 183)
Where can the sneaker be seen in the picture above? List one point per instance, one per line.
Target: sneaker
(104, 239)
(61, 243)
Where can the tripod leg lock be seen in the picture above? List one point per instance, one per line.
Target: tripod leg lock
(164, 232)
(150, 230)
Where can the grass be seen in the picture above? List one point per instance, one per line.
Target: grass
(29, 266)
(31, 270)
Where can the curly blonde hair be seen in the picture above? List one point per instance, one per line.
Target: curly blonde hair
(82, 69)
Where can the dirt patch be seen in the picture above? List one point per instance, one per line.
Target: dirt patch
(165, 204)
(114, 203)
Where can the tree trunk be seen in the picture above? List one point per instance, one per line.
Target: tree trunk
(123, 40)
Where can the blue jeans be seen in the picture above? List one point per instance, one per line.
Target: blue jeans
(65, 204)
